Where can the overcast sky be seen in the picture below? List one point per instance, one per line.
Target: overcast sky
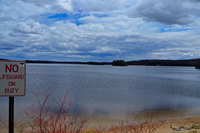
(99, 30)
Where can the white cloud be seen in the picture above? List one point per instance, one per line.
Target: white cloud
(122, 29)
(167, 12)
(106, 49)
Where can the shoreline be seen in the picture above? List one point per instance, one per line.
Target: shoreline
(174, 118)
(158, 115)
(166, 127)
(169, 126)
(180, 123)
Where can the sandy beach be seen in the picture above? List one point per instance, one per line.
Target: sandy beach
(184, 124)
(174, 121)
(170, 126)
(180, 123)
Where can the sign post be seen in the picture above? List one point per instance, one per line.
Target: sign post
(12, 83)
(11, 114)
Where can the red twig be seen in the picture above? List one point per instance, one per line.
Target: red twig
(132, 126)
(59, 118)
(3, 123)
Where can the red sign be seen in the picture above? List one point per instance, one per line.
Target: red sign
(12, 78)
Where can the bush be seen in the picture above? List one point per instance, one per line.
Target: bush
(119, 63)
(132, 126)
(95, 63)
(198, 63)
(45, 117)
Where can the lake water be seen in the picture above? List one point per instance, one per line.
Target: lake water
(107, 90)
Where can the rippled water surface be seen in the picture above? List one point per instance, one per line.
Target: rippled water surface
(105, 90)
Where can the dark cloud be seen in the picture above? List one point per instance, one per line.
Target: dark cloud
(18, 34)
(166, 11)
(41, 47)
(6, 46)
(194, 1)
(86, 48)
(5, 18)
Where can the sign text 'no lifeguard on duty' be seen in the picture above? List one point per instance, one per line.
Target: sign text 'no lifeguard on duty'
(12, 78)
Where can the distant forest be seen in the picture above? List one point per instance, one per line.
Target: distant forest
(190, 62)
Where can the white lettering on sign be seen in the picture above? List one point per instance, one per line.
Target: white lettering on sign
(12, 78)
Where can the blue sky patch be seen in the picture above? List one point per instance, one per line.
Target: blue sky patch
(51, 18)
(74, 18)
(171, 29)
(6, 48)
(195, 16)
(163, 28)
(64, 16)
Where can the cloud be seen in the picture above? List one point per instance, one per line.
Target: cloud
(28, 27)
(101, 6)
(53, 5)
(168, 12)
(99, 30)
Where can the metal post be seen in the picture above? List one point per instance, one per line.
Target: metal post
(11, 114)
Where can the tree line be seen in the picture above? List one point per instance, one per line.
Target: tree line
(190, 62)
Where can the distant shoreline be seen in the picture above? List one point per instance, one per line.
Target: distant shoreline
(189, 62)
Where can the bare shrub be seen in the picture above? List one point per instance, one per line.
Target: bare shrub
(56, 117)
(132, 126)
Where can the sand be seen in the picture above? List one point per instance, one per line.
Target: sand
(186, 122)
(167, 126)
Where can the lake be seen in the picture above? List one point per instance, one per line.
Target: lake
(114, 91)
